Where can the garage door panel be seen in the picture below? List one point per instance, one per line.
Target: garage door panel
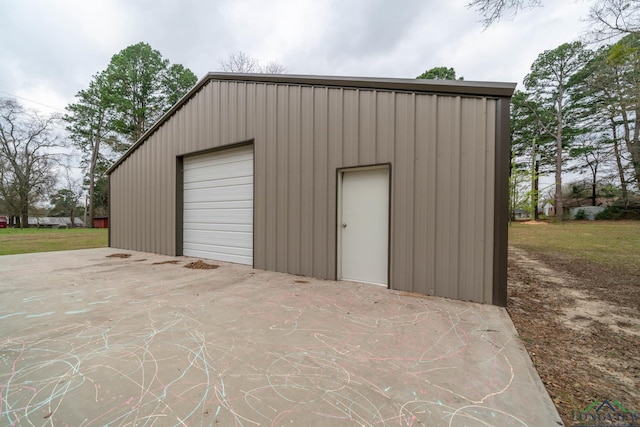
(236, 155)
(222, 172)
(219, 193)
(219, 250)
(230, 204)
(218, 206)
(222, 216)
(231, 239)
(229, 182)
(240, 228)
(221, 255)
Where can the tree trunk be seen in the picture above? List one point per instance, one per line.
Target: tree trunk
(92, 180)
(633, 145)
(558, 192)
(616, 150)
(24, 208)
(536, 215)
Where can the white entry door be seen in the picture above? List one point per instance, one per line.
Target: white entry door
(218, 205)
(363, 226)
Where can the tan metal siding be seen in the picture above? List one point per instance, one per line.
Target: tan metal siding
(261, 154)
(425, 164)
(322, 178)
(292, 174)
(402, 193)
(441, 152)
(304, 203)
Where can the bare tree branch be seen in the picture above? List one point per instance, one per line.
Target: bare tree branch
(493, 10)
(612, 18)
(274, 67)
(240, 62)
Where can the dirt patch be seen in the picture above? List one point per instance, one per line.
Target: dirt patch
(173, 261)
(119, 256)
(579, 323)
(201, 265)
(301, 281)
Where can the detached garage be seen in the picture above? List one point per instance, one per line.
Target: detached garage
(395, 182)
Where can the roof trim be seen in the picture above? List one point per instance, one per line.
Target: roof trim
(450, 87)
(407, 85)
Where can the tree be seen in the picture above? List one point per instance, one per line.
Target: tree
(519, 194)
(598, 84)
(625, 57)
(140, 87)
(274, 67)
(439, 73)
(9, 198)
(550, 85)
(120, 104)
(240, 62)
(176, 83)
(65, 203)
(531, 147)
(89, 128)
(593, 156)
(27, 157)
(612, 79)
(66, 200)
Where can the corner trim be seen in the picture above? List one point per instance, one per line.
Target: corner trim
(108, 212)
(179, 205)
(501, 203)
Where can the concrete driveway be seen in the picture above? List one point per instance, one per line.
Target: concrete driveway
(91, 340)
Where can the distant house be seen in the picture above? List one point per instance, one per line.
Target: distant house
(589, 211)
(521, 214)
(54, 222)
(549, 209)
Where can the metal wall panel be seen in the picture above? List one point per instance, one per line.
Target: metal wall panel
(441, 149)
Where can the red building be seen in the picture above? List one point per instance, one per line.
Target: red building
(101, 222)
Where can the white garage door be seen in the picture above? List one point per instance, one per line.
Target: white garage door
(218, 206)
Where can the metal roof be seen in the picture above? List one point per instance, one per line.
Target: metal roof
(452, 87)
(48, 220)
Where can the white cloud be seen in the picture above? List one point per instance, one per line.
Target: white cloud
(56, 47)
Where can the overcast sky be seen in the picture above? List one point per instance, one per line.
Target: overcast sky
(49, 50)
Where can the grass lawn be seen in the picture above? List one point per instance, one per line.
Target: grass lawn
(22, 241)
(609, 243)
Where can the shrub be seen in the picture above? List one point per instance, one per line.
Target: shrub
(621, 209)
(605, 214)
(581, 214)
